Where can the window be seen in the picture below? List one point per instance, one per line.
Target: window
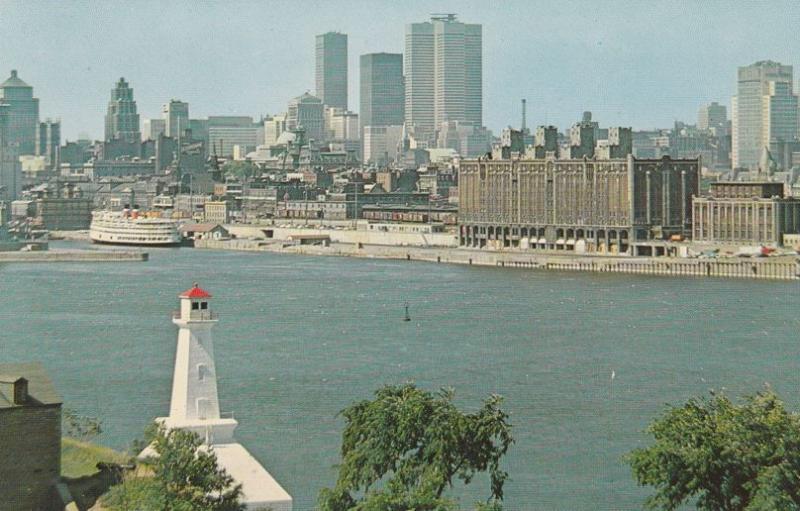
(204, 305)
(202, 407)
(195, 306)
(202, 371)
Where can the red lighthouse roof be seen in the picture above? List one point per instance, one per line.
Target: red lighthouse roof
(195, 292)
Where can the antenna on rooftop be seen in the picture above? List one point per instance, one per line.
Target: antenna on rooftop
(447, 17)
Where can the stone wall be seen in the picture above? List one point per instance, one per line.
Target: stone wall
(30, 457)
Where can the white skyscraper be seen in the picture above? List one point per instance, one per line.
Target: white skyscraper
(764, 112)
(444, 73)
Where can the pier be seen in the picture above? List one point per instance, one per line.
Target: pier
(768, 268)
(74, 256)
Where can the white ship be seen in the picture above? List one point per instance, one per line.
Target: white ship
(128, 227)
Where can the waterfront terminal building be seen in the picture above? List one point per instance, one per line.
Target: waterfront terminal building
(614, 206)
(745, 213)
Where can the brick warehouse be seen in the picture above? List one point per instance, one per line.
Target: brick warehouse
(611, 206)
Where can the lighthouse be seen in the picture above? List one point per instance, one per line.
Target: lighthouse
(195, 404)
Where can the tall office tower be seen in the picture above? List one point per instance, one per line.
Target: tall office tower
(48, 141)
(274, 126)
(23, 113)
(307, 112)
(332, 69)
(382, 92)
(153, 128)
(444, 73)
(712, 115)
(10, 167)
(176, 118)
(764, 111)
(122, 121)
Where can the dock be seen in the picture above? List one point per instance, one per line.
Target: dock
(74, 256)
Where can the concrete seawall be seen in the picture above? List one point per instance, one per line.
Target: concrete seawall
(785, 268)
(73, 256)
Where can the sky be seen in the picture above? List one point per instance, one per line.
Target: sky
(632, 63)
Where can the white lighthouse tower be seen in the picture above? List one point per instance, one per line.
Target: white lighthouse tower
(195, 404)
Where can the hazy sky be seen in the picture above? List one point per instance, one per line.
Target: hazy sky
(634, 62)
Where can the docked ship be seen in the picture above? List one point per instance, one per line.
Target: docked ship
(129, 227)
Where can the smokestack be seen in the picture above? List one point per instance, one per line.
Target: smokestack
(523, 127)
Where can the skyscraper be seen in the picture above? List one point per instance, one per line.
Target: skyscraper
(764, 111)
(23, 113)
(48, 140)
(712, 115)
(122, 121)
(307, 112)
(10, 168)
(382, 92)
(331, 75)
(176, 118)
(444, 73)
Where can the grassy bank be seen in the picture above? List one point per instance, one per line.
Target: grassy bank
(80, 459)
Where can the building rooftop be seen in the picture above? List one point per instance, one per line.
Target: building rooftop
(13, 81)
(205, 227)
(195, 292)
(41, 391)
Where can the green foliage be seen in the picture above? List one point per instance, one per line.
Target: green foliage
(723, 456)
(403, 449)
(242, 170)
(79, 427)
(185, 477)
(80, 459)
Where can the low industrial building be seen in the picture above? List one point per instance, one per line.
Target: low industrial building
(439, 213)
(745, 213)
(616, 206)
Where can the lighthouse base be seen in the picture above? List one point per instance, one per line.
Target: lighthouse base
(211, 431)
(259, 489)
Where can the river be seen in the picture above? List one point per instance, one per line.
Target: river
(301, 337)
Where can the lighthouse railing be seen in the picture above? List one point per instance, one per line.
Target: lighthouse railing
(203, 315)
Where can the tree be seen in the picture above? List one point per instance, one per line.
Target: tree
(403, 449)
(185, 477)
(723, 456)
(242, 170)
(80, 427)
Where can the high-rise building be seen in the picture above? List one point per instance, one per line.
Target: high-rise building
(273, 127)
(225, 132)
(764, 111)
(307, 112)
(22, 112)
(381, 144)
(153, 128)
(176, 118)
(331, 72)
(122, 121)
(382, 91)
(48, 141)
(712, 115)
(10, 167)
(444, 73)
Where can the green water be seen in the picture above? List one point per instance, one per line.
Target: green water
(302, 337)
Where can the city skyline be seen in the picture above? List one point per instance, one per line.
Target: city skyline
(623, 59)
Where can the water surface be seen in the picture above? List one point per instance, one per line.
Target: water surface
(302, 337)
